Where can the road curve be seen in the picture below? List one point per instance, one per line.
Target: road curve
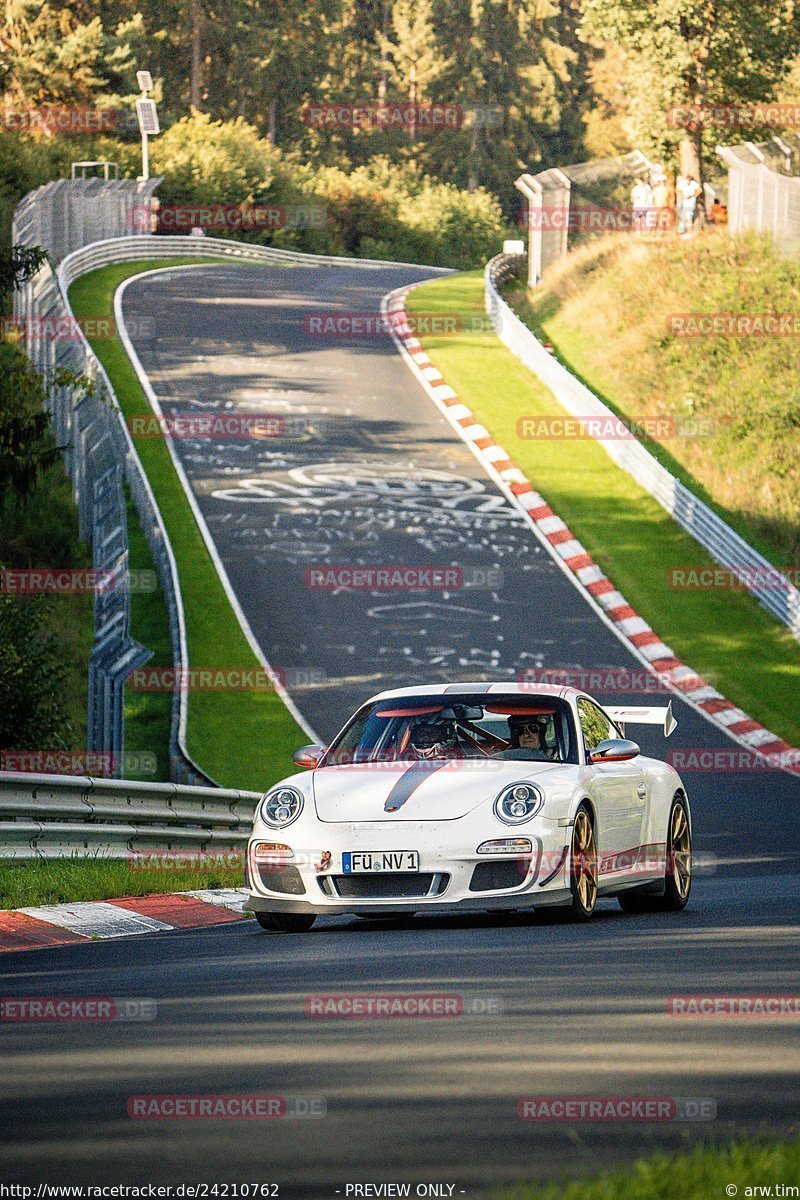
(370, 472)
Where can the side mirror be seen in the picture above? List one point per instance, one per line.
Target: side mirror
(614, 750)
(308, 756)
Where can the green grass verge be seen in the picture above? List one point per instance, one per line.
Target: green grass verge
(733, 399)
(703, 1173)
(241, 738)
(726, 636)
(68, 880)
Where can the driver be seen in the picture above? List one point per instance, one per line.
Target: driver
(527, 739)
(429, 740)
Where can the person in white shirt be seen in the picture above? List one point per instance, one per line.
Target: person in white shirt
(641, 196)
(687, 191)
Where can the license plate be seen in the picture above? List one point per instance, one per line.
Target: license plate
(368, 862)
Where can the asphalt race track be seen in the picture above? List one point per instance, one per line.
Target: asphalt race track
(368, 472)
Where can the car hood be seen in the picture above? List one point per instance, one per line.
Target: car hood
(424, 791)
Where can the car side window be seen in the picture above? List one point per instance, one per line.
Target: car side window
(595, 725)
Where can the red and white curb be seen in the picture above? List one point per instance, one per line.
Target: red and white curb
(60, 924)
(578, 564)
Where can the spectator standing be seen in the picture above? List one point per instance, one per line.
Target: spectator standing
(688, 190)
(641, 197)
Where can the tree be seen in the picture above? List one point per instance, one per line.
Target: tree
(32, 678)
(49, 55)
(414, 59)
(684, 53)
(58, 54)
(26, 443)
(19, 267)
(515, 73)
(214, 162)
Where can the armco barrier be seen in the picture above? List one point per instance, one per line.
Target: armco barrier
(61, 815)
(724, 545)
(99, 451)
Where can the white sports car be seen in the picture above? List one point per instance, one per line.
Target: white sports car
(473, 796)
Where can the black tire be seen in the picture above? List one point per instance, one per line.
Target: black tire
(285, 922)
(678, 874)
(583, 872)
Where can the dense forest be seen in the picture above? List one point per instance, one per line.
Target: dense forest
(525, 83)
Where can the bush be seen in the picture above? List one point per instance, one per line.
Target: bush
(213, 162)
(32, 679)
(382, 210)
(26, 442)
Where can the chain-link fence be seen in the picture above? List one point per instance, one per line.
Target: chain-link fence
(565, 205)
(764, 189)
(63, 217)
(85, 427)
(68, 214)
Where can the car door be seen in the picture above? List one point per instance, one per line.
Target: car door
(619, 790)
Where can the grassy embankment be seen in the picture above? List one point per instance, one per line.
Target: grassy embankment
(724, 635)
(614, 311)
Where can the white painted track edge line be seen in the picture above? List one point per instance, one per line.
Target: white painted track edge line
(205, 533)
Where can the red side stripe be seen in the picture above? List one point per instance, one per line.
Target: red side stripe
(646, 638)
(559, 536)
(744, 726)
(18, 931)
(600, 587)
(183, 912)
(623, 612)
(579, 562)
(716, 706)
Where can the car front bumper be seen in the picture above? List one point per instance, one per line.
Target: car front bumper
(446, 878)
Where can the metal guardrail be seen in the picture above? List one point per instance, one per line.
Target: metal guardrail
(140, 248)
(54, 816)
(724, 545)
(98, 450)
(143, 246)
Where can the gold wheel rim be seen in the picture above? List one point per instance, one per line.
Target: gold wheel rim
(680, 845)
(584, 861)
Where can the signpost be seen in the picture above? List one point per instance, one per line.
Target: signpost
(147, 115)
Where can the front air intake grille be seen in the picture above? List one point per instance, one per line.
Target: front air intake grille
(498, 876)
(386, 887)
(282, 879)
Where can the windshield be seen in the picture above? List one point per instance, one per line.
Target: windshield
(413, 728)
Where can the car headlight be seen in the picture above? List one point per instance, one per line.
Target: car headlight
(282, 806)
(518, 802)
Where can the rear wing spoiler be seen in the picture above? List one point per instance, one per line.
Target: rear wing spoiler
(643, 715)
